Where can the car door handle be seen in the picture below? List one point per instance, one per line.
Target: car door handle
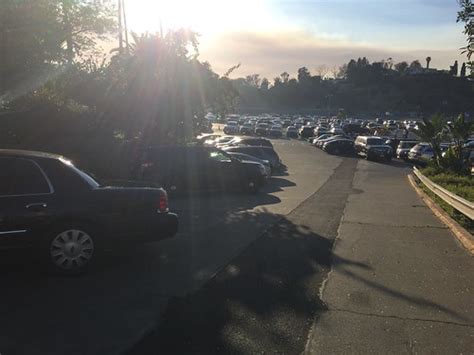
(38, 206)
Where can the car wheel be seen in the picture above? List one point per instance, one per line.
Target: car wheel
(71, 250)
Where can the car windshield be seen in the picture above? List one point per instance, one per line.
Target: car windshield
(321, 240)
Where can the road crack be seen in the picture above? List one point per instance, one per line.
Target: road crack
(339, 310)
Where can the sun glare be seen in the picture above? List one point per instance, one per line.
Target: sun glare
(207, 17)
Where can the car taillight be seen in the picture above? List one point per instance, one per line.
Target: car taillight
(163, 202)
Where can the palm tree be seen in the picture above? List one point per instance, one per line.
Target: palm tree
(433, 131)
(460, 129)
(428, 60)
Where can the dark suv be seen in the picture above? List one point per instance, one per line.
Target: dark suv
(373, 148)
(196, 168)
(67, 216)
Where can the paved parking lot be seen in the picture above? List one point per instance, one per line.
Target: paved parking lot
(122, 299)
(110, 308)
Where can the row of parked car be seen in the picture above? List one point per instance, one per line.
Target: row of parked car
(371, 147)
(68, 216)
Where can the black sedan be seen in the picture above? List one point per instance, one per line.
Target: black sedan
(187, 169)
(264, 153)
(67, 216)
(339, 146)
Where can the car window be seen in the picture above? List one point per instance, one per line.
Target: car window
(219, 156)
(375, 141)
(407, 144)
(21, 177)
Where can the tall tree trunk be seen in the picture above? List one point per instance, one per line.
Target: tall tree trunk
(68, 29)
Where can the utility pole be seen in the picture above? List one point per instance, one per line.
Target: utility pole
(120, 26)
(125, 25)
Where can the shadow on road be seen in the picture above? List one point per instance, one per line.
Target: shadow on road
(255, 304)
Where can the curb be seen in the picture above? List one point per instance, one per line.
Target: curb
(463, 236)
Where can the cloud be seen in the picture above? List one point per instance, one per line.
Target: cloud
(269, 54)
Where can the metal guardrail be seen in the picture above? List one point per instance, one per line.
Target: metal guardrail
(458, 203)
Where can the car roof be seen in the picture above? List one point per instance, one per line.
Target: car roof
(28, 154)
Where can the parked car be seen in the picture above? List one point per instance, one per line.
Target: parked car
(246, 129)
(232, 127)
(357, 129)
(421, 153)
(67, 216)
(373, 148)
(336, 131)
(393, 143)
(253, 141)
(262, 129)
(195, 168)
(404, 147)
(264, 153)
(339, 146)
(292, 132)
(205, 138)
(321, 137)
(287, 123)
(318, 131)
(319, 143)
(245, 157)
(306, 132)
(275, 131)
(219, 140)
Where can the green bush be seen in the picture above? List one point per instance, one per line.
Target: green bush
(460, 185)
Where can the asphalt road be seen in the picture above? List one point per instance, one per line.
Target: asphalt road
(337, 256)
(110, 308)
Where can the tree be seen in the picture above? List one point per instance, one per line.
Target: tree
(335, 71)
(265, 84)
(462, 73)
(276, 81)
(401, 67)
(253, 80)
(433, 131)
(453, 69)
(415, 66)
(428, 60)
(285, 77)
(303, 75)
(322, 70)
(461, 131)
(466, 15)
(388, 63)
(38, 36)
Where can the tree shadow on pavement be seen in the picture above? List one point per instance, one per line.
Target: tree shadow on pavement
(263, 301)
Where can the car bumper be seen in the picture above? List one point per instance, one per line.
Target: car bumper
(403, 155)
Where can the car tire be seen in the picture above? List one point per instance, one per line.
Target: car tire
(71, 249)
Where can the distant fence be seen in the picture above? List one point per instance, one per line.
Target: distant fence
(458, 203)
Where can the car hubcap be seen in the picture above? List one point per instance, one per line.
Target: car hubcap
(71, 249)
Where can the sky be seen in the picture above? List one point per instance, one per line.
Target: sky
(269, 37)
